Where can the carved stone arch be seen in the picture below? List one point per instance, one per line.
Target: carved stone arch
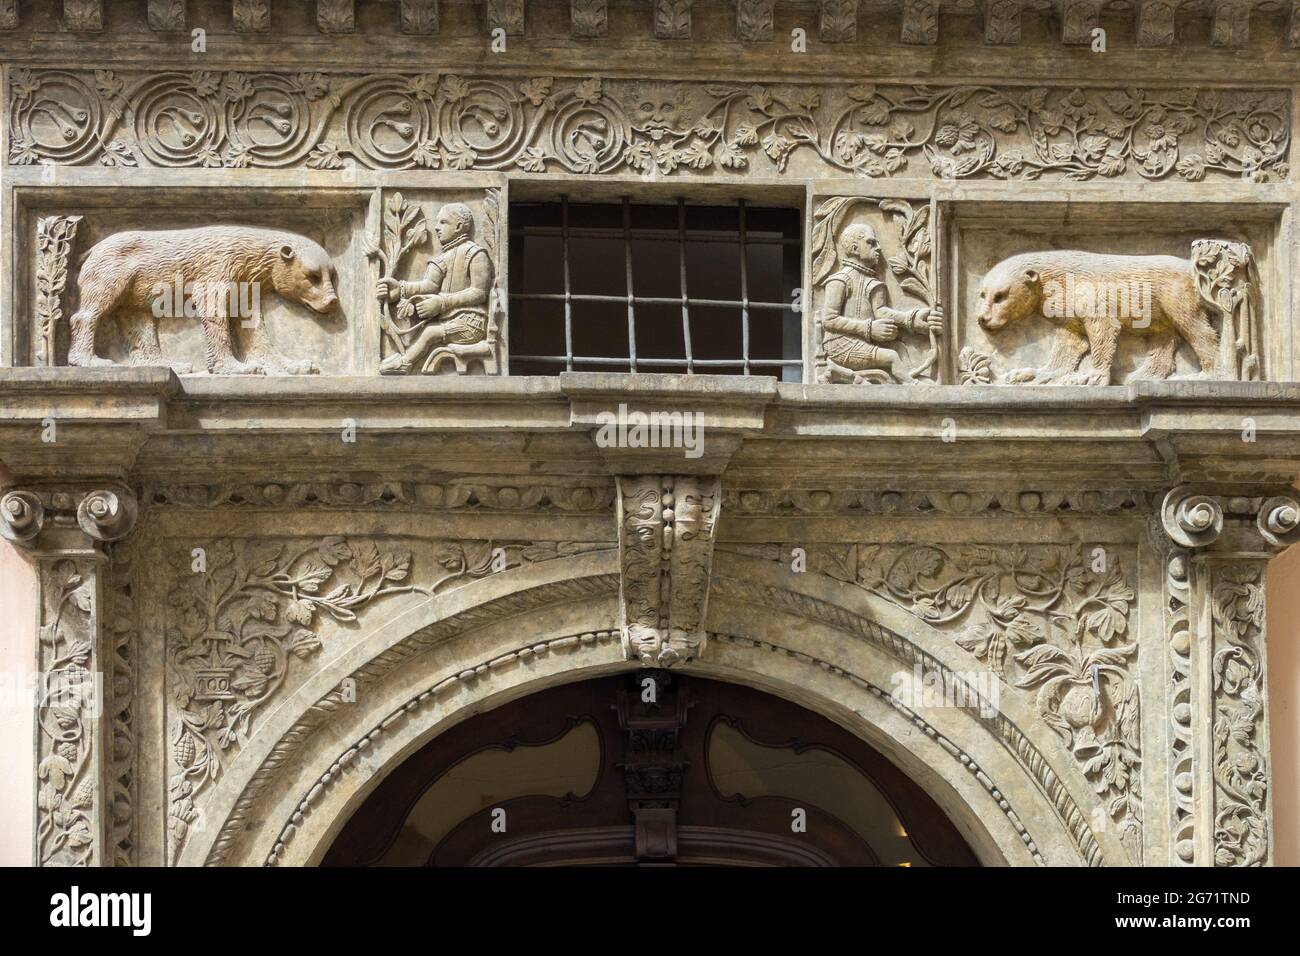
(858, 638)
(324, 758)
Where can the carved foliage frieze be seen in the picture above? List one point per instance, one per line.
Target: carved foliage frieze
(1241, 778)
(245, 617)
(69, 801)
(593, 125)
(1055, 621)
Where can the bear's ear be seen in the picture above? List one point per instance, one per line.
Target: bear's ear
(1031, 275)
(286, 252)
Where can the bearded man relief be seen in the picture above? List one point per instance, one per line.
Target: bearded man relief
(1092, 300)
(221, 273)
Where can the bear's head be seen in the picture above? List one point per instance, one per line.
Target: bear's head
(302, 272)
(1011, 290)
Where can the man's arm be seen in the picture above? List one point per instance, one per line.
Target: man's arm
(834, 319)
(431, 282)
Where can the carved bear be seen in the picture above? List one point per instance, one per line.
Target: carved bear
(127, 273)
(1091, 298)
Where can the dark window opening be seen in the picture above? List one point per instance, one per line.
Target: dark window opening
(645, 288)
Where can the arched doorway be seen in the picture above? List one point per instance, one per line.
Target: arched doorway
(644, 768)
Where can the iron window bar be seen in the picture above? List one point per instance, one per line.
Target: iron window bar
(681, 235)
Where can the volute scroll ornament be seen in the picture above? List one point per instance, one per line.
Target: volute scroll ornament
(1191, 520)
(1279, 521)
(21, 516)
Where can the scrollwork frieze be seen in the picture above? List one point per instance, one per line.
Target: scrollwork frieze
(595, 125)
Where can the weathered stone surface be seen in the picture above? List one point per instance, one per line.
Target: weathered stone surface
(414, 532)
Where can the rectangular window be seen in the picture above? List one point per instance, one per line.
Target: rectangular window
(653, 288)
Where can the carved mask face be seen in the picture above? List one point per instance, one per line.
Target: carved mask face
(1007, 294)
(659, 111)
(303, 273)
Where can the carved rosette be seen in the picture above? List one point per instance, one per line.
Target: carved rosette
(594, 125)
(666, 534)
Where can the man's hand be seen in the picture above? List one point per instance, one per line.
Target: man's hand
(429, 306)
(883, 330)
(386, 289)
(931, 321)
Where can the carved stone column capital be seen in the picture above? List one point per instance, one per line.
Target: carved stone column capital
(1244, 524)
(67, 520)
(666, 531)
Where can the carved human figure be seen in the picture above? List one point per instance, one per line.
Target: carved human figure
(455, 289)
(857, 317)
(218, 269)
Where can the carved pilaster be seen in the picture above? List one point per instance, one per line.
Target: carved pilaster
(77, 822)
(839, 21)
(335, 16)
(419, 16)
(1221, 799)
(1002, 22)
(665, 540)
(166, 16)
(507, 15)
(673, 19)
(83, 16)
(754, 19)
(252, 16)
(588, 18)
(1078, 19)
(1155, 22)
(1231, 24)
(921, 22)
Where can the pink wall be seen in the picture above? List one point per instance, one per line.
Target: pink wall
(17, 661)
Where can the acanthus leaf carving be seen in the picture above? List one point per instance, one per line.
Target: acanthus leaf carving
(335, 16)
(838, 21)
(1002, 22)
(419, 16)
(920, 22)
(83, 16)
(673, 19)
(252, 16)
(167, 15)
(589, 18)
(754, 19)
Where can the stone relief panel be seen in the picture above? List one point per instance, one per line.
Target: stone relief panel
(1118, 295)
(595, 125)
(246, 618)
(1054, 621)
(447, 316)
(261, 285)
(877, 314)
(666, 528)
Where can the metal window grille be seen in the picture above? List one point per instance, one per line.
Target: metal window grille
(577, 271)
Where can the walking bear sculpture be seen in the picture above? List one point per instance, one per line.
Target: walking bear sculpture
(217, 270)
(1094, 298)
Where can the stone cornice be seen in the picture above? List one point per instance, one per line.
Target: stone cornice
(150, 425)
(918, 24)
